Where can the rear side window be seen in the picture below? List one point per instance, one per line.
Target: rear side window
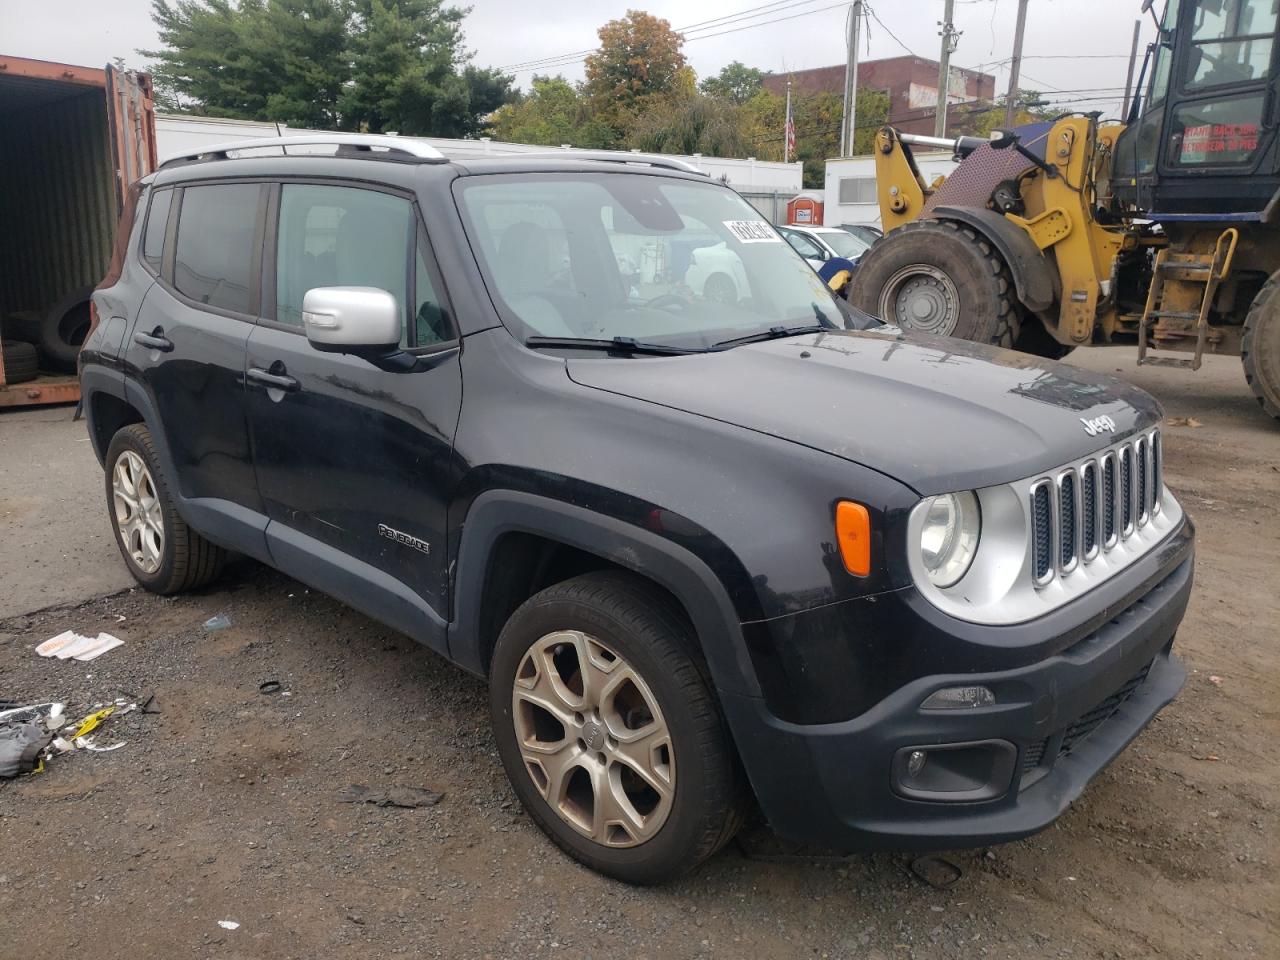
(341, 237)
(153, 238)
(213, 263)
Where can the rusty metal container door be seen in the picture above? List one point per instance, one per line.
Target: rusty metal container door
(131, 118)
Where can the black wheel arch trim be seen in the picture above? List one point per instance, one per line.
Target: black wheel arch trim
(1032, 273)
(671, 566)
(221, 522)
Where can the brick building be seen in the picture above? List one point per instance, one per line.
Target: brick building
(910, 82)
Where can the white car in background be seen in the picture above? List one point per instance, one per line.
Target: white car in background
(820, 244)
(716, 273)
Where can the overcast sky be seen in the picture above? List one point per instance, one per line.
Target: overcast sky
(1077, 46)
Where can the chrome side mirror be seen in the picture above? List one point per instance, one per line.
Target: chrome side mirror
(359, 320)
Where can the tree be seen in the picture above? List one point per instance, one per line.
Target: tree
(736, 83)
(639, 58)
(372, 65)
(980, 122)
(692, 123)
(817, 120)
(554, 112)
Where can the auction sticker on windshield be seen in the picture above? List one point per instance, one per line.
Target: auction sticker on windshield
(752, 231)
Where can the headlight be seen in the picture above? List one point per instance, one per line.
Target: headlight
(949, 537)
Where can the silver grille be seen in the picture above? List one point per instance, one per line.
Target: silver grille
(1085, 510)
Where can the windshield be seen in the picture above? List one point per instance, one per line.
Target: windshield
(596, 256)
(845, 244)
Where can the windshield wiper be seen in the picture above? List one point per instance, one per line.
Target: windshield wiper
(616, 344)
(773, 333)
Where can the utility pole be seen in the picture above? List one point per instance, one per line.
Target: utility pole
(848, 121)
(950, 40)
(1128, 79)
(1011, 101)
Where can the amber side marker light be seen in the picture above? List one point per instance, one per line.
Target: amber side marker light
(853, 533)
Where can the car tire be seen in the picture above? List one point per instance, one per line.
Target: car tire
(573, 756)
(65, 328)
(720, 288)
(20, 361)
(1260, 347)
(939, 277)
(161, 551)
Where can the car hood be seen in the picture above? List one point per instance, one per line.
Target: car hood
(935, 413)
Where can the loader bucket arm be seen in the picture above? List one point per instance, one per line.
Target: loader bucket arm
(901, 190)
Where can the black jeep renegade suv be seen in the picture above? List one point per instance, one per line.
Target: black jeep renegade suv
(587, 427)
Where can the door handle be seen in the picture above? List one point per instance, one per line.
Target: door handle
(277, 380)
(154, 341)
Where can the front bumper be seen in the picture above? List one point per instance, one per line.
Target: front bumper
(1060, 720)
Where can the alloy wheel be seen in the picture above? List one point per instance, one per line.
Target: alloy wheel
(593, 739)
(139, 517)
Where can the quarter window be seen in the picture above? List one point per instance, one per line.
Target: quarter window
(153, 237)
(430, 325)
(341, 237)
(214, 257)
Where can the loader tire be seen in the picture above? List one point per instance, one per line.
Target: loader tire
(1036, 339)
(1260, 348)
(939, 277)
(19, 361)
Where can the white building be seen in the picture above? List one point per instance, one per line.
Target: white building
(850, 195)
(180, 134)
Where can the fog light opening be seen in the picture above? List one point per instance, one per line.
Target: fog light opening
(959, 698)
(915, 762)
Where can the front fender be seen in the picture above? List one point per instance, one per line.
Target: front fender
(497, 512)
(1032, 272)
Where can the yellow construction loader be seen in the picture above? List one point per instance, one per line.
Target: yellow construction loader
(1163, 231)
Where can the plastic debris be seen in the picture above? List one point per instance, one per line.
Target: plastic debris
(22, 746)
(1215, 680)
(269, 686)
(71, 645)
(228, 925)
(407, 797)
(220, 622)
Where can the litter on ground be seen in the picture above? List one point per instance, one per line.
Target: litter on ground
(408, 797)
(70, 645)
(32, 734)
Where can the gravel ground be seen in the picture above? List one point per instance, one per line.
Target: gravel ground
(223, 806)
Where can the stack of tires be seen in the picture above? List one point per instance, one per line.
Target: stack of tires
(45, 340)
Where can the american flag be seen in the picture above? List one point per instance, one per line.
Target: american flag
(789, 129)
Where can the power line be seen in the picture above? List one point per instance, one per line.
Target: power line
(565, 59)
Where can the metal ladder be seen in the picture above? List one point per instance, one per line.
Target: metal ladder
(1190, 269)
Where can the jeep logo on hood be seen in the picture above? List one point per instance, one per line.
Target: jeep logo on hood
(1097, 425)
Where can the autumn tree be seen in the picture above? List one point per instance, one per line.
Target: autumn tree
(639, 58)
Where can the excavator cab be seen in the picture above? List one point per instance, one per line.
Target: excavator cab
(1201, 142)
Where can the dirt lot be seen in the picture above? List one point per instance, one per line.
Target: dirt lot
(223, 806)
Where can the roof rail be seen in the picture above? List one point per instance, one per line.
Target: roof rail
(400, 148)
(618, 156)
